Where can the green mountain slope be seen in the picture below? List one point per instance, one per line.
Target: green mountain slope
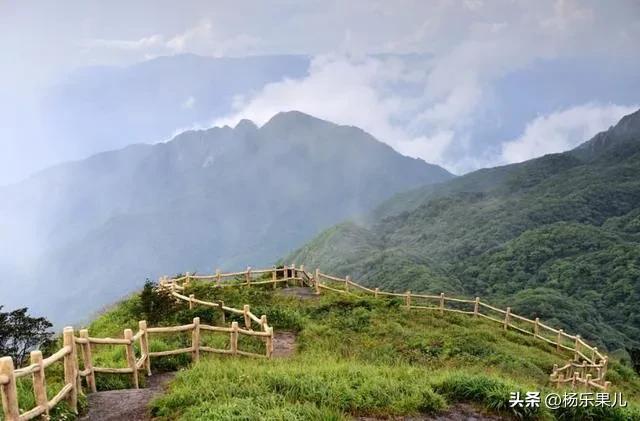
(556, 237)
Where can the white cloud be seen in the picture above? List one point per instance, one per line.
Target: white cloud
(353, 91)
(201, 39)
(562, 130)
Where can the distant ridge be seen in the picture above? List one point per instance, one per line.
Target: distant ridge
(220, 196)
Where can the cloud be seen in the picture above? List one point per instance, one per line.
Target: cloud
(353, 91)
(201, 39)
(444, 102)
(562, 130)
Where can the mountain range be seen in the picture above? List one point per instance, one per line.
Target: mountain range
(82, 234)
(557, 237)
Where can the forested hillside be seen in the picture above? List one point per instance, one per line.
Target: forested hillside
(556, 237)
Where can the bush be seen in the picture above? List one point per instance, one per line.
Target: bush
(155, 304)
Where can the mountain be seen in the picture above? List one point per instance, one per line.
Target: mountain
(151, 100)
(557, 237)
(82, 234)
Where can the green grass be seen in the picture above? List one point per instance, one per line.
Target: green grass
(434, 360)
(356, 356)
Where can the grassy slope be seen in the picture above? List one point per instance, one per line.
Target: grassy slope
(520, 235)
(356, 356)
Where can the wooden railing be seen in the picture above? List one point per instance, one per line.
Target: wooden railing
(70, 356)
(588, 367)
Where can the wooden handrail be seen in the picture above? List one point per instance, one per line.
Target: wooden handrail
(591, 372)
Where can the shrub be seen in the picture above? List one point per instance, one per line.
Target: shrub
(155, 303)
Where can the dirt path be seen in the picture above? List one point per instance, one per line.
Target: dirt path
(132, 404)
(284, 344)
(128, 404)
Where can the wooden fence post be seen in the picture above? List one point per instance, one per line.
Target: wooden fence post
(71, 368)
(187, 279)
(442, 303)
(316, 281)
(218, 277)
(476, 307)
(234, 338)
(247, 318)
(558, 340)
(301, 269)
(576, 347)
(221, 304)
(39, 383)
(191, 298)
(144, 345)
(269, 343)
(408, 299)
(536, 327)
(195, 340)
(346, 282)
(87, 361)
(263, 322)
(131, 358)
(507, 316)
(274, 276)
(8, 390)
(247, 276)
(375, 292)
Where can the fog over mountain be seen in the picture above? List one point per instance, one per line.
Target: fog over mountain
(85, 233)
(463, 85)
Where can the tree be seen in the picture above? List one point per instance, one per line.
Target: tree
(155, 303)
(21, 333)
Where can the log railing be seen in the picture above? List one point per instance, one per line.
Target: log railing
(574, 372)
(588, 367)
(80, 348)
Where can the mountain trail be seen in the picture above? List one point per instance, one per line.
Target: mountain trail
(132, 404)
(127, 404)
(284, 344)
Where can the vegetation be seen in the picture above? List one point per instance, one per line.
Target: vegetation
(556, 237)
(356, 356)
(20, 333)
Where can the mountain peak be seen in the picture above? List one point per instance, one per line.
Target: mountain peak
(629, 124)
(626, 130)
(295, 118)
(245, 125)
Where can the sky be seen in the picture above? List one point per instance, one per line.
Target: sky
(456, 83)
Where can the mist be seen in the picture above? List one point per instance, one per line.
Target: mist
(96, 192)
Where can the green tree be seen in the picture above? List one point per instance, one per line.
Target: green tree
(155, 303)
(21, 333)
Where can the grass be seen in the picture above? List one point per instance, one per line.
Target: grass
(356, 356)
